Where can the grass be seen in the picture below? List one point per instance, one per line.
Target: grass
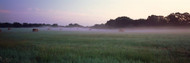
(93, 47)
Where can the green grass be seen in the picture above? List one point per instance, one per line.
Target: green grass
(93, 47)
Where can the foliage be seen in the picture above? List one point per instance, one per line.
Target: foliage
(174, 19)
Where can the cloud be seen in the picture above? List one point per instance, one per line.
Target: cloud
(4, 11)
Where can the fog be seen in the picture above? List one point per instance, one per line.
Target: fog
(121, 30)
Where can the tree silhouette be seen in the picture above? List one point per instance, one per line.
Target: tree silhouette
(174, 19)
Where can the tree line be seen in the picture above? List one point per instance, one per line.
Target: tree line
(17, 24)
(173, 19)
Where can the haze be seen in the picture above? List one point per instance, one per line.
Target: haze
(85, 12)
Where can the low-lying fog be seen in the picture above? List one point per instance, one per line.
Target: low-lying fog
(120, 30)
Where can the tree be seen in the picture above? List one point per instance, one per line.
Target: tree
(16, 24)
(120, 22)
(55, 25)
(74, 25)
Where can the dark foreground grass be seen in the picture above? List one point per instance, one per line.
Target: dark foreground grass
(91, 47)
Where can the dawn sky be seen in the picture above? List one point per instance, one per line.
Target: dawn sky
(85, 12)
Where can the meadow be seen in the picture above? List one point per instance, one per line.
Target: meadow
(25, 46)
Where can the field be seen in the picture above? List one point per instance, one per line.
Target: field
(25, 46)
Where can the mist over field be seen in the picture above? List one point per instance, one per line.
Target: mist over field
(113, 30)
(94, 31)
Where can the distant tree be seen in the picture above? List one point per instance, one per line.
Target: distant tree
(16, 24)
(6, 25)
(120, 22)
(173, 19)
(55, 25)
(154, 20)
(74, 25)
(25, 25)
(111, 23)
(140, 22)
(99, 26)
(180, 19)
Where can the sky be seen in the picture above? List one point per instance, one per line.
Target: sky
(85, 12)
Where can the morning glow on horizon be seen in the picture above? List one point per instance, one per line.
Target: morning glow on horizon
(85, 12)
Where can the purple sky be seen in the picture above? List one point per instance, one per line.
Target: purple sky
(85, 12)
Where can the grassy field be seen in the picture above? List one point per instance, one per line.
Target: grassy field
(25, 46)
